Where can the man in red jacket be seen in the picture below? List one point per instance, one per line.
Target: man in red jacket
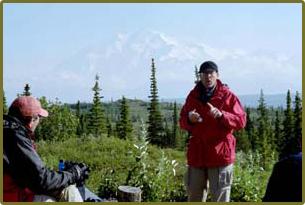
(210, 114)
(25, 177)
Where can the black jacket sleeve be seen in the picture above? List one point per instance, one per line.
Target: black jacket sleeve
(26, 167)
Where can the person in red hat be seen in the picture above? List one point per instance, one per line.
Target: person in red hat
(210, 114)
(25, 177)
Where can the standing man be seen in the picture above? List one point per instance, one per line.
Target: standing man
(210, 114)
(25, 177)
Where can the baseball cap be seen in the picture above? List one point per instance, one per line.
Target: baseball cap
(208, 65)
(28, 106)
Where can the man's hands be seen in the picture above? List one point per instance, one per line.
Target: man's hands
(195, 117)
(214, 112)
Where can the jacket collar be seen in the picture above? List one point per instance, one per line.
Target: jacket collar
(11, 122)
(220, 90)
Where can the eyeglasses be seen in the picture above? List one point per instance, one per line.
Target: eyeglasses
(206, 72)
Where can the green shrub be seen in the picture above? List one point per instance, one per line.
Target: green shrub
(116, 162)
(249, 179)
(60, 125)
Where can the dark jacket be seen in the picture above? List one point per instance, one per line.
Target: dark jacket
(212, 143)
(24, 171)
(285, 183)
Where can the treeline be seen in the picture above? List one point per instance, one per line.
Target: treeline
(268, 131)
(111, 119)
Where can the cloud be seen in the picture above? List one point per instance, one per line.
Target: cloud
(124, 66)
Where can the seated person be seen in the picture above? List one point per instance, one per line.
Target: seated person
(25, 177)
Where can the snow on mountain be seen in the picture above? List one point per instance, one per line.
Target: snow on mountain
(124, 67)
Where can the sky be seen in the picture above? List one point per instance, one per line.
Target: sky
(59, 48)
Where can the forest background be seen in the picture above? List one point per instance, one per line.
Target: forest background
(138, 143)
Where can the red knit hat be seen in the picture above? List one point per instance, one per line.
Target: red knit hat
(29, 106)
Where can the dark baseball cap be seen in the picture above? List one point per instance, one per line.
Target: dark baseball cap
(208, 65)
(28, 106)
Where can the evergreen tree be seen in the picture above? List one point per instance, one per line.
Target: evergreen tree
(197, 77)
(277, 131)
(250, 131)
(79, 130)
(264, 132)
(297, 115)
(288, 128)
(175, 126)
(82, 126)
(96, 124)
(5, 108)
(26, 91)
(124, 124)
(109, 128)
(155, 127)
(245, 137)
(78, 109)
(167, 138)
(243, 142)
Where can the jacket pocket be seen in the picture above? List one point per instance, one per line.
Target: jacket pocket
(224, 149)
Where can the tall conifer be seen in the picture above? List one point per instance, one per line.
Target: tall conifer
(155, 126)
(109, 127)
(297, 115)
(5, 108)
(197, 77)
(264, 131)
(97, 125)
(288, 128)
(26, 91)
(175, 126)
(277, 131)
(124, 125)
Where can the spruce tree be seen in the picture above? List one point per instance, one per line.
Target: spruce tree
(277, 131)
(96, 124)
(79, 130)
(124, 124)
(288, 128)
(78, 109)
(197, 77)
(249, 130)
(83, 123)
(167, 138)
(264, 132)
(5, 108)
(155, 128)
(297, 116)
(175, 126)
(109, 127)
(243, 142)
(26, 91)
(245, 136)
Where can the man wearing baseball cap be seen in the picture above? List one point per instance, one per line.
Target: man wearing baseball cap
(210, 114)
(25, 177)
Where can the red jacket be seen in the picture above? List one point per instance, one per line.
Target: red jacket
(12, 192)
(212, 143)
